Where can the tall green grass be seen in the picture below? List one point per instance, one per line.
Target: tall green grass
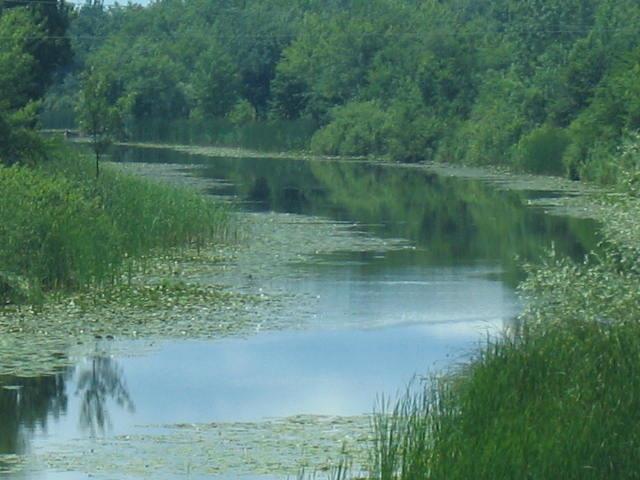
(340, 471)
(556, 402)
(61, 228)
(148, 214)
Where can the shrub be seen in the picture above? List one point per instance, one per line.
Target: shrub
(541, 150)
(413, 131)
(242, 112)
(358, 128)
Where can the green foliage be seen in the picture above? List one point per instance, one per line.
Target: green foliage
(61, 229)
(331, 58)
(54, 236)
(46, 42)
(495, 124)
(18, 72)
(557, 401)
(98, 118)
(148, 214)
(603, 289)
(19, 143)
(629, 159)
(242, 113)
(175, 61)
(357, 129)
(90, 24)
(149, 82)
(474, 81)
(17, 65)
(542, 150)
(601, 127)
(289, 94)
(215, 84)
(413, 130)
(33, 46)
(255, 34)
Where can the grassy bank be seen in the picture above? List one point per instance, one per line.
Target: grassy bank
(63, 229)
(554, 402)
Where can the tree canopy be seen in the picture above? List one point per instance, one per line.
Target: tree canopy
(33, 49)
(544, 85)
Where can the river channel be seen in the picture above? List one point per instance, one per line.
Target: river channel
(400, 273)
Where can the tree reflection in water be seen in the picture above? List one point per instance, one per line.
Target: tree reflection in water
(26, 404)
(98, 384)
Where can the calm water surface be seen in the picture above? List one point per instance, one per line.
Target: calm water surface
(381, 318)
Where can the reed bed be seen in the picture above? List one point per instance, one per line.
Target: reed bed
(561, 401)
(63, 228)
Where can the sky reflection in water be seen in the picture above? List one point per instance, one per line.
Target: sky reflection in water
(372, 336)
(379, 319)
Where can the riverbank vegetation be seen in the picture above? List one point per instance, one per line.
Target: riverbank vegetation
(545, 86)
(557, 400)
(63, 229)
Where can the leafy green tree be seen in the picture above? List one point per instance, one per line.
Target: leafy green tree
(100, 119)
(91, 22)
(18, 71)
(330, 59)
(358, 128)
(215, 84)
(18, 66)
(51, 49)
(495, 124)
(151, 80)
(535, 25)
(255, 35)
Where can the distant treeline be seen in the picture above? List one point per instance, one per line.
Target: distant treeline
(545, 85)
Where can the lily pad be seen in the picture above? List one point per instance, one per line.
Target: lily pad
(271, 447)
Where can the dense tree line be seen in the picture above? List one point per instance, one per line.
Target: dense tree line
(544, 85)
